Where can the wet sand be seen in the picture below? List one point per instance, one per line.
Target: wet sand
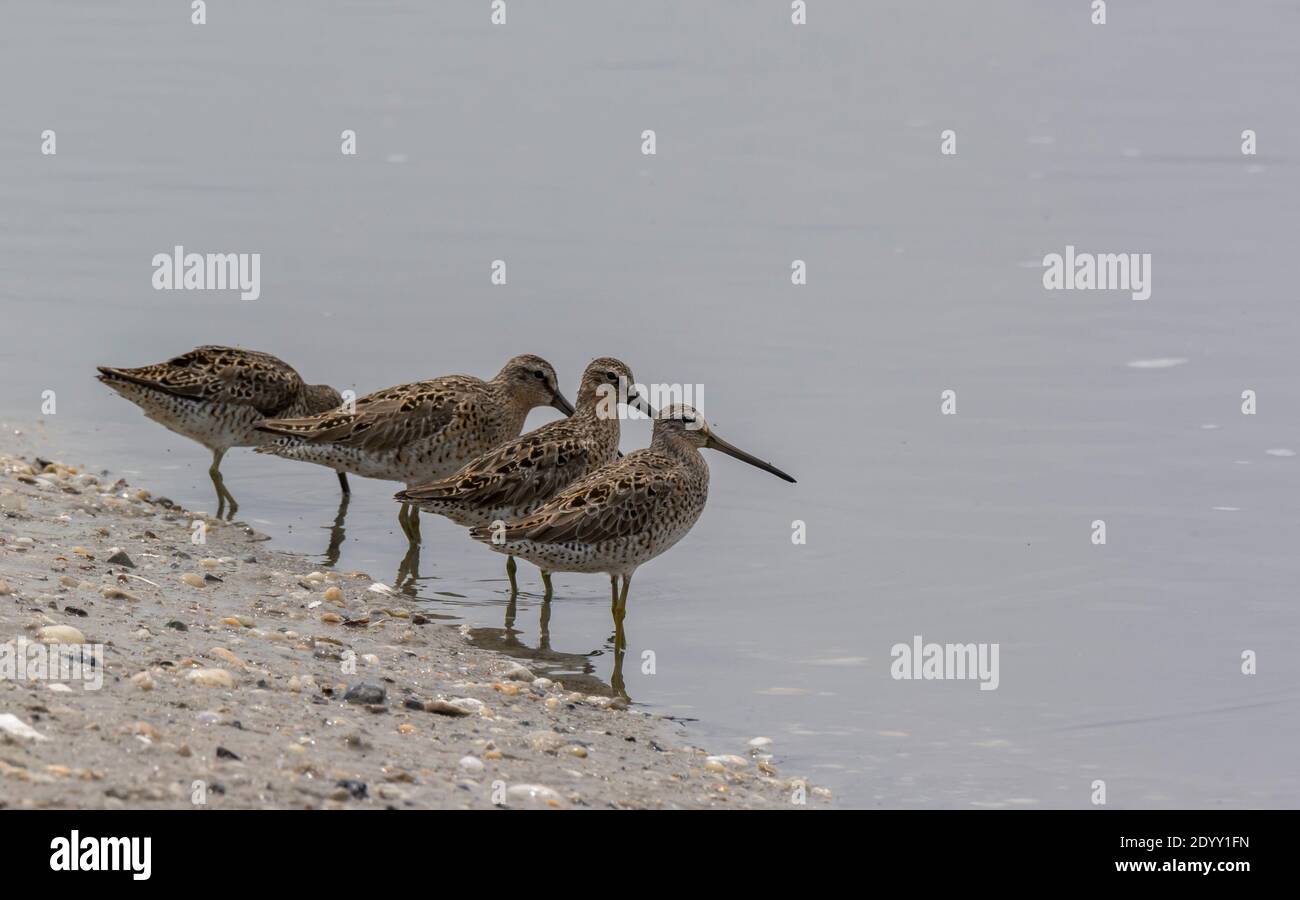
(235, 676)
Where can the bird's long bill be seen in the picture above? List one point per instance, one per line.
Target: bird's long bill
(719, 444)
(641, 405)
(561, 404)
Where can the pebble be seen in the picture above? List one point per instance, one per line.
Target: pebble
(725, 762)
(472, 764)
(208, 562)
(121, 559)
(546, 741)
(211, 678)
(577, 750)
(115, 593)
(441, 707)
(60, 634)
(143, 680)
(228, 656)
(513, 672)
(366, 692)
(5, 589)
(759, 742)
(534, 794)
(193, 580)
(333, 595)
(16, 727)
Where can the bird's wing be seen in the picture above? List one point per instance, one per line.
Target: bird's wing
(526, 470)
(221, 375)
(617, 500)
(385, 420)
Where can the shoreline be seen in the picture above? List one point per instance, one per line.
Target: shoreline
(235, 675)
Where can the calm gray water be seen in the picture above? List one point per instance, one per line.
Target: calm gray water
(821, 142)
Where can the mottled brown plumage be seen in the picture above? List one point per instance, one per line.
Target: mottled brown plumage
(628, 512)
(514, 478)
(423, 431)
(217, 395)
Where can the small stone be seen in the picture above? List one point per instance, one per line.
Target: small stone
(441, 707)
(17, 728)
(211, 678)
(472, 764)
(143, 680)
(331, 619)
(333, 595)
(5, 589)
(545, 741)
(366, 692)
(725, 762)
(193, 580)
(533, 795)
(121, 559)
(207, 562)
(357, 789)
(760, 742)
(512, 671)
(577, 750)
(406, 728)
(223, 753)
(224, 654)
(178, 625)
(60, 634)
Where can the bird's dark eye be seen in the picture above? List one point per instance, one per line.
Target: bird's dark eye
(611, 376)
(539, 374)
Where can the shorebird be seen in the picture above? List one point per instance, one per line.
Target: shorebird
(628, 512)
(515, 478)
(423, 431)
(216, 396)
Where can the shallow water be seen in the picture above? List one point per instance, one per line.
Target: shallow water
(1118, 662)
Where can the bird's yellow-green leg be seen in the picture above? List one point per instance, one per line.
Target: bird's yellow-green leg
(613, 593)
(622, 595)
(620, 645)
(511, 568)
(223, 494)
(546, 580)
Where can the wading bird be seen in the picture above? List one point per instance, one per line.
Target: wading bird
(514, 479)
(419, 432)
(217, 396)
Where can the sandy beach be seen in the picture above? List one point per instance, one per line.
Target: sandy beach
(227, 674)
